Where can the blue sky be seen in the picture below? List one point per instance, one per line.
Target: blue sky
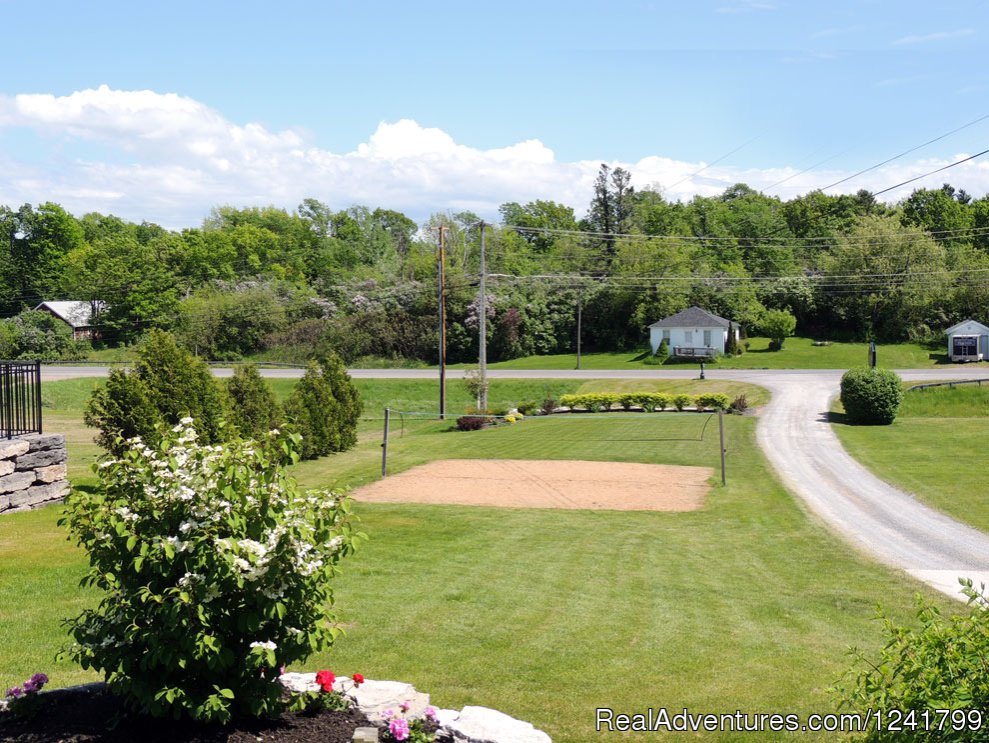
(161, 111)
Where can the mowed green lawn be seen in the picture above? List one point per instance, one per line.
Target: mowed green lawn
(797, 353)
(932, 449)
(550, 614)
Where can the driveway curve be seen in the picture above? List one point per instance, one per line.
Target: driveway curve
(880, 519)
(794, 432)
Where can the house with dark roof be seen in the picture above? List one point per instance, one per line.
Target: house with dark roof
(77, 315)
(692, 333)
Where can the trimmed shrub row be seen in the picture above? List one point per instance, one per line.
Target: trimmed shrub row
(651, 401)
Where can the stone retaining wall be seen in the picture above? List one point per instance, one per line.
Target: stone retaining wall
(32, 471)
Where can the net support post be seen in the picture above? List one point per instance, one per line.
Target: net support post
(384, 446)
(721, 437)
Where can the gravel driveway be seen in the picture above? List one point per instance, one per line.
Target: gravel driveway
(889, 524)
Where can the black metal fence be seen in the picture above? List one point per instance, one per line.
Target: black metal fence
(20, 398)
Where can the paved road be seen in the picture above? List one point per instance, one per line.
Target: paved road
(793, 431)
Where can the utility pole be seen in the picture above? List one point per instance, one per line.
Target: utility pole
(482, 355)
(580, 302)
(441, 273)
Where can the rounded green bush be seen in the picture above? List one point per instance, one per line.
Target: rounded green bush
(871, 396)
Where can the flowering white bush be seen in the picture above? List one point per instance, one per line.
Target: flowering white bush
(216, 569)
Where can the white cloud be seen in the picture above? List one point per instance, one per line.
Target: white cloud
(936, 36)
(165, 158)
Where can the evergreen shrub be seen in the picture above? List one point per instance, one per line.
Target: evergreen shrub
(871, 397)
(253, 408)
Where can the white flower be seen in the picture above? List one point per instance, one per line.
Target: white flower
(268, 645)
(187, 421)
(177, 543)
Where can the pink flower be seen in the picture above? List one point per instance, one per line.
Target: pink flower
(399, 728)
(404, 706)
(389, 712)
(430, 712)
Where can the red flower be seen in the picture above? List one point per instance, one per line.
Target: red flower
(325, 679)
(358, 679)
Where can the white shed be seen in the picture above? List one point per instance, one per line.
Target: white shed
(968, 341)
(693, 333)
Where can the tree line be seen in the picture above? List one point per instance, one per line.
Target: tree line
(362, 282)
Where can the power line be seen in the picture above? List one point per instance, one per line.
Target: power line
(712, 164)
(905, 152)
(958, 162)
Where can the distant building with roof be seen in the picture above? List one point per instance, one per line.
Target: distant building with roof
(695, 332)
(968, 341)
(77, 315)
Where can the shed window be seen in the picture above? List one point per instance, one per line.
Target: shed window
(707, 338)
(688, 336)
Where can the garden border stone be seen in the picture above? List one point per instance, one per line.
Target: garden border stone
(33, 471)
(469, 725)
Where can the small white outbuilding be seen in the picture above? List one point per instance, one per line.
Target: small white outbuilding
(968, 341)
(692, 333)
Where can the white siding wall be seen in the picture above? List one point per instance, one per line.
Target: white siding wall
(678, 337)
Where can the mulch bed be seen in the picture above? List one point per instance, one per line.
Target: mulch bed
(83, 714)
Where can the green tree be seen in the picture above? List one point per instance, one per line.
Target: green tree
(121, 410)
(778, 325)
(38, 247)
(348, 399)
(939, 212)
(313, 410)
(253, 407)
(135, 289)
(882, 280)
(180, 384)
(611, 207)
(325, 406)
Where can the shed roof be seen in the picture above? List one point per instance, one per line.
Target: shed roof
(692, 317)
(76, 314)
(983, 330)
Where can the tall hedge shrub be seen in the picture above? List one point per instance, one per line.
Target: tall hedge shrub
(871, 396)
(325, 406)
(121, 410)
(167, 384)
(253, 407)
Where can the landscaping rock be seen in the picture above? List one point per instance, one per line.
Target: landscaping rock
(39, 494)
(483, 725)
(13, 448)
(43, 441)
(446, 717)
(17, 481)
(374, 697)
(43, 458)
(51, 473)
(299, 683)
(6, 466)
